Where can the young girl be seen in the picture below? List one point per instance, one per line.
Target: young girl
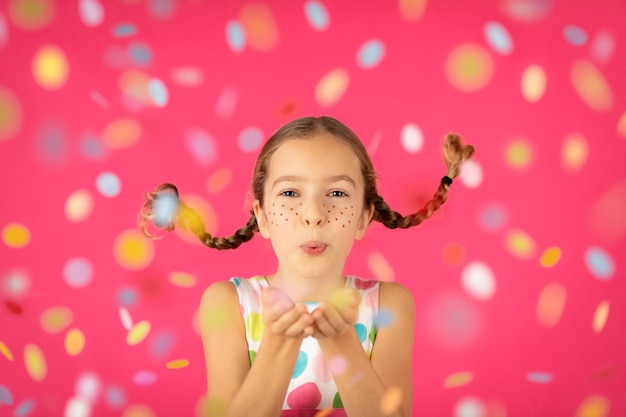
(307, 340)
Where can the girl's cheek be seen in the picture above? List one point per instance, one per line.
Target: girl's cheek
(283, 214)
(340, 214)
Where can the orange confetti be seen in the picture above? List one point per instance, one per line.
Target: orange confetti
(551, 304)
(122, 133)
(593, 406)
(74, 342)
(591, 86)
(412, 9)
(332, 87)
(132, 250)
(550, 257)
(453, 254)
(458, 379)
(533, 83)
(469, 67)
(520, 244)
(260, 27)
(6, 352)
(177, 364)
(600, 316)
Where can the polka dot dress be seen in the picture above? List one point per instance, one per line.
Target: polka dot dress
(312, 386)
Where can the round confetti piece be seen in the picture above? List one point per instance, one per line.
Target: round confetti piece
(478, 280)
(533, 83)
(235, 36)
(144, 378)
(370, 54)
(92, 147)
(6, 352)
(550, 257)
(25, 408)
(453, 254)
(211, 406)
(205, 211)
(138, 332)
(162, 344)
(187, 77)
(470, 407)
(158, 92)
(4, 31)
(600, 316)
(469, 67)
(527, 10)
(599, 263)
(317, 15)
(384, 318)
(412, 138)
(88, 387)
(551, 304)
(35, 362)
(124, 30)
(391, 400)
(182, 279)
(77, 407)
(607, 218)
(74, 342)
(458, 379)
(137, 410)
(591, 86)
(621, 125)
(136, 84)
(127, 297)
(202, 147)
(125, 318)
(31, 14)
(16, 283)
(10, 115)
(114, 397)
(380, 267)
(498, 37)
(594, 406)
(602, 46)
(250, 139)
(226, 103)
(108, 184)
(91, 12)
(132, 250)
(177, 364)
(139, 54)
(519, 244)
(56, 319)
(412, 9)
(493, 217)
(122, 133)
(574, 152)
(539, 377)
(15, 235)
(519, 154)
(260, 28)
(77, 272)
(219, 180)
(471, 174)
(332, 87)
(50, 67)
(14, 307)
(79, 206)
(5, 396)
(575, 35)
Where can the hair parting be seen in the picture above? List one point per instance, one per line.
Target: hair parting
(164, 210)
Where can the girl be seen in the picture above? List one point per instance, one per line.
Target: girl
(307, 340)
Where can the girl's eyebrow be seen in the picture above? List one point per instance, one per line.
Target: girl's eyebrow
(296, 178)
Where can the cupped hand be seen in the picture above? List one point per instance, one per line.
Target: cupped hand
(284, 318)
(337, 315)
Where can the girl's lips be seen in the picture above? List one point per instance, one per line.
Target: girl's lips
(313, 248)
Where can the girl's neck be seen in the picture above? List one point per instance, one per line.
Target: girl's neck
(302, 290)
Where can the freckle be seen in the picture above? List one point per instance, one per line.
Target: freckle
(296, 214)
(336, 218)
(300, 203)
(346, 208)
(282, 205)
(291, 209)
(351, 206)
(349, 221)
(343, 225)
(341, 212)
(286, 220)
(333, 206)
(281, 214)
(329, 211)
(329, 221)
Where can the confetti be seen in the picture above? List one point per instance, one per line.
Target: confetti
(88, 387)
(144, 378)
(412, 9)
(219, 180)
(177, 364)
(391, 401)
(6, 352)
(458, 379)
(540, 377)
(594, 406)
(235, 36)
(551, 304)
(79, 206)
(534, 83)
(574, 152)
(202, 147)
(250, 139)
(550, 257)
(520, 244)
(498, 37)
(380, 267)
(471, 174)
(138, 332)
(77, 272)
(591, 86)
(332, 87)
(91, 12)
(599, 263)
(132, 250)
(122, 133)
(575, 35)
(412, 138)
(470, 407)
(260, 28)
(31, 14)
(478, 280)
(56, 319)
(50, 67)
(600, 316)
(5, 396)
(453, 254)
(370, 54)
(77, 407)
(182, 279)
(11, 117)
(35, 362)
(317, 15)
(74, 342)
(15, 235)
(469, 67)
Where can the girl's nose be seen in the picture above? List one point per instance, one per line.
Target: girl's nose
(313, 213)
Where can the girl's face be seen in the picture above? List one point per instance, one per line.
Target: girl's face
(313, 206)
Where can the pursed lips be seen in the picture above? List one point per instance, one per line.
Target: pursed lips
(314, 247)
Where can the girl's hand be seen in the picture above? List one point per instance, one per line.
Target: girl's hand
(282, 317)
(337, 315)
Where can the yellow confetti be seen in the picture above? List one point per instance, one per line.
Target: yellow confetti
(469, 67)
(458, 379)
(519, 244)
(182, 279)
(10, 114)
(519, 154)
(31, 14)
(4, 349)
(50, 67)
(391, 401)
(591, 86)
(56, 319)
(380, 267)
(332, 87)
(177, 364)
(551, 304)
(35, 362)
(533, 83)
(550, 257)
(79, 206)
(600, 316)
(15, 235)
(574, 152)
(74, 342)
(132, 250)
(593, 406)
(138, 332)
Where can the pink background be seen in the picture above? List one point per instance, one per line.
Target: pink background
(518, 281)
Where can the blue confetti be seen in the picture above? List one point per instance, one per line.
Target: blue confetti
(139, 54)
(498, 38)
(5, 396)
(158, 92)
(25, 408)
(108, 184)
(235, 36)
(115, 397)
(161, 8)
(371, 53)
(317, 15)
(201, 146)
(250, 139)
(92, 147)
(493, 217)
(127, 297)
(599, 263)
(52, 143)
(124, 30)
(162, 344)
(575, 35)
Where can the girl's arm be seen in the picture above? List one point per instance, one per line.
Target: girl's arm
(363, 383)
(234, 388)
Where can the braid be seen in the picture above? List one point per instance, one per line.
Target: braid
(164, 209)
(455, 153)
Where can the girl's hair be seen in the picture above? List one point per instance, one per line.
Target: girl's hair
(163, 207)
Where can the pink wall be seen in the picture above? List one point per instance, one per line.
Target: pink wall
(519, 281)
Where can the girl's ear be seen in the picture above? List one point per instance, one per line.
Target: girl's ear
(261, 219)
(364, 221)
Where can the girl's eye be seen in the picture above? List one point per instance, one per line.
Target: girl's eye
(288, 193)
(337, 193)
